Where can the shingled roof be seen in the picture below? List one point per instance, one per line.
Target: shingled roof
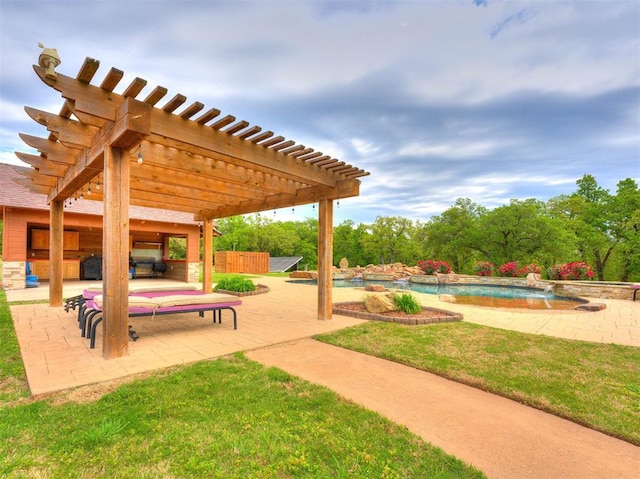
(17, 196)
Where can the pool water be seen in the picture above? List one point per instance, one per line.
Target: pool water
(473, 294)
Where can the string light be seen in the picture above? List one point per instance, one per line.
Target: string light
(140, 160)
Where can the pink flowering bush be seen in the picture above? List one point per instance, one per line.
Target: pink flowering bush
(484, 268)
(429, 266)
(531, 268)
(571, 271)
(509, 269)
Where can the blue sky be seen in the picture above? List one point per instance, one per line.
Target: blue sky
(439, 100)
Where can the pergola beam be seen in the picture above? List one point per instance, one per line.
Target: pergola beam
(304, 196)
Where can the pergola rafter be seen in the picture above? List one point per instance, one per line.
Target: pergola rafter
(184, 158)
(209, 141)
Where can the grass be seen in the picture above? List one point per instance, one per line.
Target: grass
(13, 381)
(225, 418)
(597, 385)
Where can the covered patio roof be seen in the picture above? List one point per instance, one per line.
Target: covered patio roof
(183, 158)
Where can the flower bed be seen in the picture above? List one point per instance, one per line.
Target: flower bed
(356, 309)
(260, 289)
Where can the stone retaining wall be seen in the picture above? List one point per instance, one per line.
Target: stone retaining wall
(592, 290)
(571, 289)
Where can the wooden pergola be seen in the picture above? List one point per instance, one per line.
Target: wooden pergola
(171, 158)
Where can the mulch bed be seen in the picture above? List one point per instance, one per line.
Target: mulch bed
(260, 289)
(356, 309)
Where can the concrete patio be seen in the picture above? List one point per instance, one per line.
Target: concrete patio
(57, 358)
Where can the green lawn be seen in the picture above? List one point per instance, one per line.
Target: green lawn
(225, 418)
(597, 385)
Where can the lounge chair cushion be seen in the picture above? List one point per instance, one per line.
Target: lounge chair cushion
(134, 302)
(173, 300)
(188, 299)
(152, 289)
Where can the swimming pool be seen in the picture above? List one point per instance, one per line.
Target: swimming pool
(473, 294)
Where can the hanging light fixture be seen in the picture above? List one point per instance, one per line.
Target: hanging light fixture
(140, 160)
(98, 185)
(89, 190)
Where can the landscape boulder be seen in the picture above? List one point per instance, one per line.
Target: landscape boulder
(379, 303)
(591, 307)
(377, 288)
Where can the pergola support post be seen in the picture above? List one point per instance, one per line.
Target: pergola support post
(207, 259)
(56, 250)
(325, 258)
(115, 247)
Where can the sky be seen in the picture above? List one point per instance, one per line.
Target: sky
(438, 100)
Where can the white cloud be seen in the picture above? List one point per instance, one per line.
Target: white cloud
(418, 93)
(470, 150)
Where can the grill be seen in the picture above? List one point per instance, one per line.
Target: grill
(92, 268)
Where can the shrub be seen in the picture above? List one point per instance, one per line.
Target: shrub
(235, 283)
(531, 268)
(484, 268)
(429, 266)
(509, 269)
(571, 271)
(407, 303)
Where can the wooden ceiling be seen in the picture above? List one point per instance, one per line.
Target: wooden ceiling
(193, 159)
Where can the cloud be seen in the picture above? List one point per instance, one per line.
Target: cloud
(438, 100)
(519, 18)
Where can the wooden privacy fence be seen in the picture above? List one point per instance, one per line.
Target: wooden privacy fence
(241, 262)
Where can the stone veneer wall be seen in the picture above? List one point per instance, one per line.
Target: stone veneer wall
(194, 273)
(13, 275)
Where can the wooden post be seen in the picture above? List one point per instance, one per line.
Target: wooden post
(325, 258)
(207, 256)
(56, 249)
(115, 250)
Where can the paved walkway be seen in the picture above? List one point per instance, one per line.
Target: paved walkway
(503, 438)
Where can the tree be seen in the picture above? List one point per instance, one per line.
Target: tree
(390, 239)
(520, 231)
(453, 235)
(307, 245)
(594, 207)
(349, 241)
(234, 234)
(625, 225)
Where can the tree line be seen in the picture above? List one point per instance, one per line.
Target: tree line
(590, 225)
